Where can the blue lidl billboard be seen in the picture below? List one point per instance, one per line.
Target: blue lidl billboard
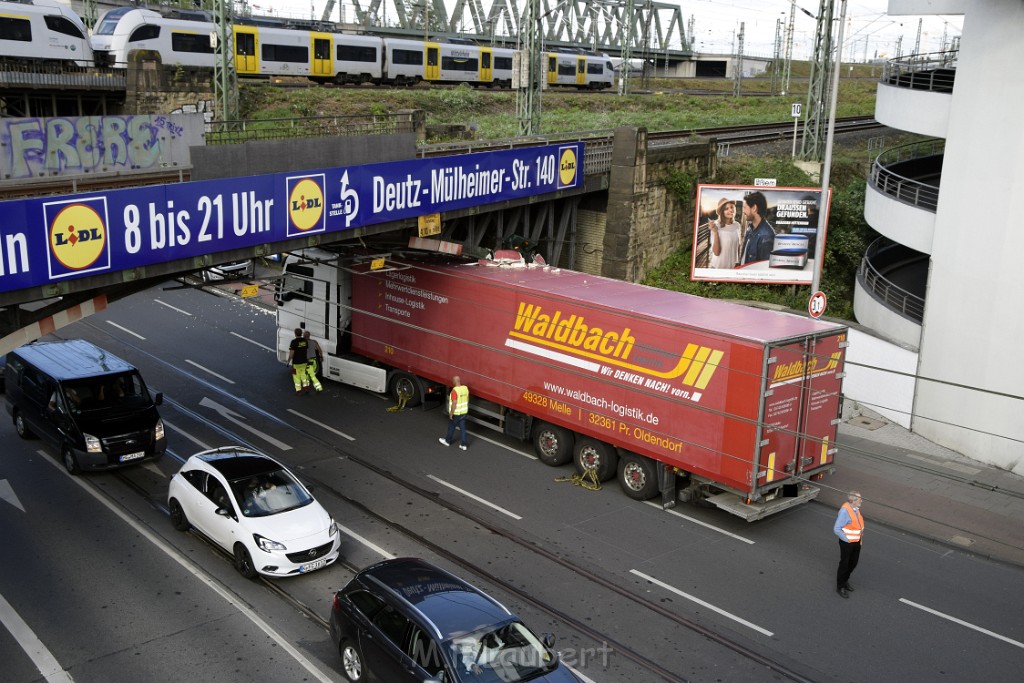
(55, 238)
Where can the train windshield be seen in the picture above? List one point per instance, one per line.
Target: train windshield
(109, 21)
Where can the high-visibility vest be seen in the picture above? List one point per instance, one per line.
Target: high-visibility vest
(854, 529)
(460, 396)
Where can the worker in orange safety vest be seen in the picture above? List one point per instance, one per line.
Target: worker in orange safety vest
(849, 527)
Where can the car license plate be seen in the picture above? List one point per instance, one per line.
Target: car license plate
(312, 565)
(132, 456)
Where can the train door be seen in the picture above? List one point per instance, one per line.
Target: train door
(581, 71)
(486, 65)
(323, 64)
(246, 59)
(552, 69)
(432, 68)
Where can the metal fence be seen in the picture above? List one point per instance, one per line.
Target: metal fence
(909, 190)
(885, 255)
(934, 72)
(234, 132)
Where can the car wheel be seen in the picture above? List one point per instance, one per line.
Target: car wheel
(69, 460)
(405, 384)
(243, 562)
(638, 477)
(596, 455)
(22, 428)
(351, 661)
(552, 444)
(178, 519)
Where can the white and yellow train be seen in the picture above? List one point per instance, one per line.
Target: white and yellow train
(269, 48)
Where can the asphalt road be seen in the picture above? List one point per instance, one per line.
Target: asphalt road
(95, 572)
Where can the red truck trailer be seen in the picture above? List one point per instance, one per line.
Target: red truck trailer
(689, 397)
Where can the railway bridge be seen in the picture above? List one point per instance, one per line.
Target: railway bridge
(72, 242)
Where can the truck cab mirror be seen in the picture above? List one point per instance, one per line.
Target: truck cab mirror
(159, 398)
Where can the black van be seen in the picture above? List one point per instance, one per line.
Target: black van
(89, 403)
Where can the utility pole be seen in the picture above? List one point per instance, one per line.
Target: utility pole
(528, 56)
(627, 48)
(737, 84)
(225, 78)
(789, 47)
(776, 55)
(917, 43)
(812, 144)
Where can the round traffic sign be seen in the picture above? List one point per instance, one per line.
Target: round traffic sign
(816, 306)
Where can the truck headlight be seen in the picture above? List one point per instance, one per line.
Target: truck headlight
(92, 444)
(158, 431)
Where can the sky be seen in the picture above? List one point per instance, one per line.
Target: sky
(869, 32)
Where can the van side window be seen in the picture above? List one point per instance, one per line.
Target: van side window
(32, 385)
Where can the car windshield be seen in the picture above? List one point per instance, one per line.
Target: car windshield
(508, 653)
(269, 493)
(123, 391)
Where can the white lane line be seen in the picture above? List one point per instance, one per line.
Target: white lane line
(703, 524)
(255, 343)
(44, 660)
(125, 329)
(502, 510)
(173, 308)
(579, 674)
(979, 629)
(202, 576)
(322, 425)
(188, 436)
(220, 377)
(697, 600)
(531, 456)
(369, 544)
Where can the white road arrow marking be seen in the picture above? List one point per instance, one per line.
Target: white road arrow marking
(239, 420)
(7, 493)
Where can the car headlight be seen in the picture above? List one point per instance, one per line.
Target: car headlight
(333, 529)
(158, 431)
(92, 444)
(267, 545)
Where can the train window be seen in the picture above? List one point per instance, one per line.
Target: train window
(581, 67)
(321, 48)
(453, 64)
(12, 28)
(144, 32)
(63, 25)
(552, 64)
(596, 69)
(191, 42)
(485, 60)
(406, 57)
(245, 44)
(503, 63)
(566, 70)
(432, 56)
(284, 53)
(357, 53)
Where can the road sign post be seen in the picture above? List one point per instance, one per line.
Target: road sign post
(796, 117)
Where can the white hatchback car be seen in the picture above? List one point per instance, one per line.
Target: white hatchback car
(253, 507)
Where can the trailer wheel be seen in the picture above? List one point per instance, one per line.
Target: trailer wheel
(638, 477)
(404, 384)
(552, 444)
(594, 454)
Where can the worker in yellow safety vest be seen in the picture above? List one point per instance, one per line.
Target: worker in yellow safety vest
(849, 527)
(458, 407)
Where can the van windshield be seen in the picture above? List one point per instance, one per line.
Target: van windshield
(123, 391)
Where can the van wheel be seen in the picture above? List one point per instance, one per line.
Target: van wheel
(243, 562)
(22, 428)
(178, 519)
(405, 384)
(597, 455)
(69, 460)
(638, 477)
(552, 444)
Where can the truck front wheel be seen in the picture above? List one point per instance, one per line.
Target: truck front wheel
(552, 444)
(638, 477)
(406, 385)
(596, 455)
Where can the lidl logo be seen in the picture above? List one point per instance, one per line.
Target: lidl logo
(77, 236)
(306, 205)
(567, 167)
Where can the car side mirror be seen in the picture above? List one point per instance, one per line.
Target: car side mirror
(159, 398)
(548, 639)
(225, 512)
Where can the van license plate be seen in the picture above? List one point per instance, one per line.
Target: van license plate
(133, 456)
(312, 566)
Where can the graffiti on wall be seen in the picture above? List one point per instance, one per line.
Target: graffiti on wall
(72, 145)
